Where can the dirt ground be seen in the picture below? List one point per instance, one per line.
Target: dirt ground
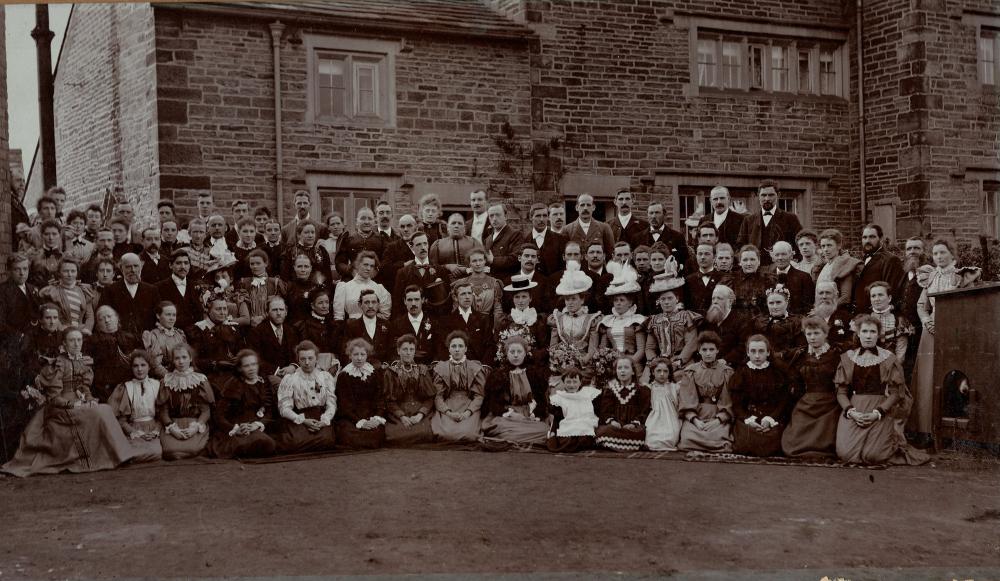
(465, 513)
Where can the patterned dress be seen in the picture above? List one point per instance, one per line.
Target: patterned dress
(629, 405)
(409, 391)
(185, 398)
(668, 334)
(160, 343)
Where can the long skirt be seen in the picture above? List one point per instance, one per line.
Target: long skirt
(350, 436)
(569, 444)
(293, 438)
(620, 439)
(663, 425)
(921, 416)
(84, 439)
(715, 439)
(396, 434)
(176, 449)
(252, 445)
(518, 430)
(748, 442)
(880, 443)
(147, 450)
(447, 429)
(812, 431)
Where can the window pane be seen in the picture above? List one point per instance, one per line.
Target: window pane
(367, 90)
(707, 65)
(786, 204)
(827, 73)
(731, 65)
(987, 58)
(779, 68)
(331, 87)
(756, 66)
(805, 81)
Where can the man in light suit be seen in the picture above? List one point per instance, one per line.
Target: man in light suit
(501, 243)
(626, 225)
(769, 225)
(586, 230)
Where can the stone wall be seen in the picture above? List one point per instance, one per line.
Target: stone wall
(6, 187)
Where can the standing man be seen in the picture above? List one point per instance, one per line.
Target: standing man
(303, 203)
(206, 205)
(626, 226)
(527, 256)
(550, 244)
(916, 257)
(154, 267)
(799, 284)
(364, 238)
(771, 224)
(452, 252)
(241, 211)
(700, 284)
(165, 210)
(19, 304)
(557, 217)
(726, 220)
(479, 224)
(134, 301)
(501, 243)
(383, 218)
(397, 251)
(586, 230)
(416, 272)
(879, 265)
(599, 274)
(658, 231)
(179, 289)
(104, 249)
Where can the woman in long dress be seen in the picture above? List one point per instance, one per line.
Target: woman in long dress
(875, 402)
(623, 407)
(71, 432)
(460, 385)
(243, 412)
(161, 341)
(762, 397)
(515, 401)
(943, 276)
(574, 328)
(185, 406)
(110, 346)
(360, 419)
(704, 401)
(624, 329)
(812, 429)
(487, 292)
(409, 396)
(134, 403)
(672, 332)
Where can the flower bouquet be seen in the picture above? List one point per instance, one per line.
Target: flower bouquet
(563, 356)
(602, 365)
(513, 331)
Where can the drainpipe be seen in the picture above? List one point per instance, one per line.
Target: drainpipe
(861, 116)
(47, 139)
(276, 29)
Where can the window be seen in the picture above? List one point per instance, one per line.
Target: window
(351, 80)
(989, 50)
(707, 65)
(805, 76)
(991, 200)
(732, 67)
(347, 201)
(779, 68)
(696, 200)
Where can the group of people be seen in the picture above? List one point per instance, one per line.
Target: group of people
(244, 337)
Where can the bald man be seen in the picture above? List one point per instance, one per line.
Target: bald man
(134, 301)
(799, 284)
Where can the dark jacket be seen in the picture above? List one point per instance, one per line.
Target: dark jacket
(730, 230)
(881, 267)
(273, 355)
(427, 336)
(480, 332)
(497, 398)
(189, 308)
(504, 250)
(135, 314)
(800, 286)
(383, 351)
(672, 238)
(633, 234)
(698, 295)
(784, 226)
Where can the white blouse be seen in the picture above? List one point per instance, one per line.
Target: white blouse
(300, 391)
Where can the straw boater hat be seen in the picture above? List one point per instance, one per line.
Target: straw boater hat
(626, 281)
(574, 281)
(520, 282)
(664, 282)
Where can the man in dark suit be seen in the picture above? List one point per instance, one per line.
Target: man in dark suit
(370, 328)
(800, 285)
(879, 265)
(501, 243)
(769, 225)
(365, 238)
(660, 232)
(134, 301)
(727, 221)
(417, 271)
(527, 256)
(478, 225)
(179, 289)
(596, 262)
(478, 326)
(699, 285)
(397, 252)
(155, 266)
(732, 325)
(274, 340)
(916, 257)
(303, 203)
(626, 225)
(19, 304)
(414, 321)
(586, 230)
(550, 244)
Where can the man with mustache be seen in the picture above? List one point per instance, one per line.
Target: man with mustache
(878, 265)
(771, 224)
(916, 256)
(586, 230)
(837, 317)
(626, 225)
(658, 231)
(726, 220)
(732, 325)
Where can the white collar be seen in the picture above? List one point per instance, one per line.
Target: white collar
(763, 365)
(465, 312)
(530, 275)
(179, 281)
(274, 327)
(479, 217)
(720, 218)
(624, 220)
(416, 319)
(239, 244)
(584, 225)
(387, 231)
(362, 372)
(537, 233)
(416, 262)
(779, 271)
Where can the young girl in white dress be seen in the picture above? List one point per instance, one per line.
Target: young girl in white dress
(572, 410)
(663, 425)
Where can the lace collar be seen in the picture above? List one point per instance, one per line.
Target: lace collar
(885, 312)
(526, 317)
(183, 380)
(320, 318)
(763, 365)
(583, 311)
(819, 352)
(362, 373)
(172, 331)
(624, 393)
(863, 358)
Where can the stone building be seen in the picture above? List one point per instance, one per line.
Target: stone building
(539, 100)
(6, 185)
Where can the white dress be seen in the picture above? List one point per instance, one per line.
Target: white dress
(579, 418)
(663, 425)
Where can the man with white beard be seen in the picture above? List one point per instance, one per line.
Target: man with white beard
(836, 316)
(732, 326)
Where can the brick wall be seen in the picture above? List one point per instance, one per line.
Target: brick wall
(217, 118)
(6, 228)
(105, 107)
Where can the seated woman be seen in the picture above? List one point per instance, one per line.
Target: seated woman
(43, 342)
(75, 300)
(624, 329)
(163, 339)
(71, 432)
(522, 320)
(258, 287)
(812, 429)
(782, 329)
(663, 426)
(360, 418)
(409, 395)
(515, 398)
(220, 277)
(320, 328)
(459, 385)
(215, 339)
(574, 329)
(623, 407)
(243, 412)
(749, 282)
(110, 346)
(307, 402)
(896, 330)
(875, 400)
(134, 403)
(703, 400)
(574, 422)
(184, 405)
(301, 289)
(762, 397)
(671, 334)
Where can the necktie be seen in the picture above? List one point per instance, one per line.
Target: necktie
(458, 255)
(421, 270)
(279, 334)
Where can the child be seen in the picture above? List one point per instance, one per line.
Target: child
(360, 419)
(134, 403)
(704, 400)
(460, 386)
(663, 426)
(762, 401)
(184, 407)
(243, 412)
(515, 398)
(572, 411)
(623, 408)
